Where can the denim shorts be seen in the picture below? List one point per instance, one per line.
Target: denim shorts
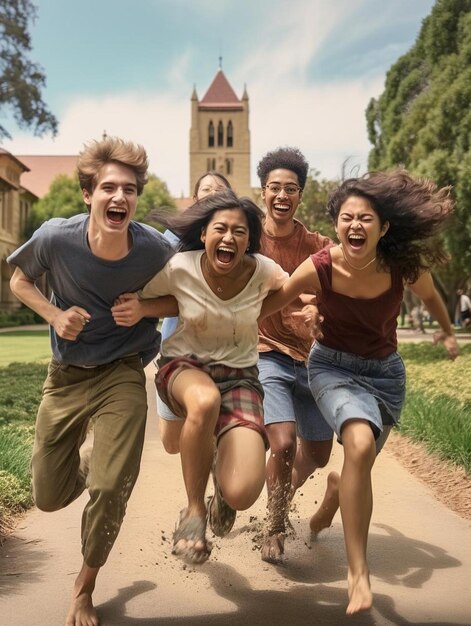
(346, 386)
(288, 397)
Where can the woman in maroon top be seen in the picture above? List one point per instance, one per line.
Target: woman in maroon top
(385, 223)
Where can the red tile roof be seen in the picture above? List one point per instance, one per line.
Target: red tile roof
(220, 95)
(43, 170)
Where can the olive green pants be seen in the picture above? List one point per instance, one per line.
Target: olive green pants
(114, 397)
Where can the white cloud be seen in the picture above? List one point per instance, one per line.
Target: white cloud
(327, 123)
(159, 123)
(289, 40)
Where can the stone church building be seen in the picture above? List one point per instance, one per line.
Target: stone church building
(220, 135)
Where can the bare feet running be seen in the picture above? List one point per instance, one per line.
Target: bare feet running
(323, 517)
(189, 538)
(273, 548)
(82, 612)
(359, 593)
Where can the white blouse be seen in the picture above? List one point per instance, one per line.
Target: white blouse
(214, 330)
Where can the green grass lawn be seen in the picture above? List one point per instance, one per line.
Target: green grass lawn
(24, 346)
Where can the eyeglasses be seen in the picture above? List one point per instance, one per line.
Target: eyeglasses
(288, 189)
(209, 189)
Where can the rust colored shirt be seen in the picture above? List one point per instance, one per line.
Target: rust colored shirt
(366, 327)
(281, 331)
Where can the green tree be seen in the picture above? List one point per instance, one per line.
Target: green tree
(155, 195)
(422, 121)
(312, 210)
(21, 80)
(65, 199)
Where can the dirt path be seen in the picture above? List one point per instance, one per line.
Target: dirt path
(419, 550)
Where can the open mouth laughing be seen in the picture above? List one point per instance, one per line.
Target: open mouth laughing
(116, 215)
(225, 255)
(281, 207)
(356, 241)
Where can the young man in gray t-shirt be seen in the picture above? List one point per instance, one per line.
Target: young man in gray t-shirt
(96, 371)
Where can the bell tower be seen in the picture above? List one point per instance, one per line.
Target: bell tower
(220, 135)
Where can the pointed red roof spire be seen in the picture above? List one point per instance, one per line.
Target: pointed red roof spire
(220, 94)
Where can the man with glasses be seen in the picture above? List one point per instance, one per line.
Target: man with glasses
(300, 439)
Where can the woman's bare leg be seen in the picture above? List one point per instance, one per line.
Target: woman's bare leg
(324, 515)
(170, 433)
(240, 467)
(310, 455)
(356, 505)
(195, 391)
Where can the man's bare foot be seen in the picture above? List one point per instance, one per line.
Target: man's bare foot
(359, 593)
(273, 548)
(82, 612)
(324, 515)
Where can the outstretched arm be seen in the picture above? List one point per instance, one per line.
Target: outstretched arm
(67, 324)
(129, 309)
(427, 292)
(303, 279)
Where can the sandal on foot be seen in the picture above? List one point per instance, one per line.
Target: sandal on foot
(220, 515)
(191, 530)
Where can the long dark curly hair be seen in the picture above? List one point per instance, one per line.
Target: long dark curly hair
(188, 225)
(416, 210)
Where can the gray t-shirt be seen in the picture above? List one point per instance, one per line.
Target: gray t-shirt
(59, 250)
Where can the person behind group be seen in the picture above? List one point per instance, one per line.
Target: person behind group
(210, 182)
(208, 373)
(464, 307)
(96, 370)
(385, 223)
(284, 342)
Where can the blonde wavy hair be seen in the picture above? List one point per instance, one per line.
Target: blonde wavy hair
(96, 154)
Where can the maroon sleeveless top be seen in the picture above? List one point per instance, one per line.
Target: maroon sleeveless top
(366, 327)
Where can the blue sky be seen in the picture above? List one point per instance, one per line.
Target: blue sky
(310, 67)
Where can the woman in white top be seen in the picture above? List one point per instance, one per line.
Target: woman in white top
(208, 371)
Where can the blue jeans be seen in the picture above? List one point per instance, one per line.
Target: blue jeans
(288, 397)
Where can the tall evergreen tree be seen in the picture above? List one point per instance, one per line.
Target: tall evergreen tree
(422, 121)
(21, 80)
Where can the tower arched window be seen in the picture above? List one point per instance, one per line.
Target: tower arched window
(230, 135)
(229, 168)
(220, 134)
(211, 134)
